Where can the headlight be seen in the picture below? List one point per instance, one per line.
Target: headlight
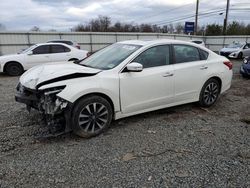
(54, 90)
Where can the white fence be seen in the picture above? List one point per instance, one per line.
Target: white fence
(13, 42)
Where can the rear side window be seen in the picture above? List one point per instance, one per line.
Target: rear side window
(41, 50)
(203, 54)
(185, 53)
(155, 56)
(59, 49)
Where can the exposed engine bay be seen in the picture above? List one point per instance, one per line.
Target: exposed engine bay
(49, 105)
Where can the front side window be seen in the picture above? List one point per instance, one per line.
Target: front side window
(45, 49)
(59, 49)
(155, 56)
(185, 53)
(247, 46)
(110, 57)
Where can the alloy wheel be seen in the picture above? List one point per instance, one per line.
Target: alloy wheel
(211, 93)
(93, 117)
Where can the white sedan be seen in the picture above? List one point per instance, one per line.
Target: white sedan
(16, 64)
(124, 79)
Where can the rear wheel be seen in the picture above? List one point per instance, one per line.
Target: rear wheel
(91, 116)
(14, 69)
(209, 93)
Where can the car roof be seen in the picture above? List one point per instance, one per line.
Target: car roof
(51, 43)
(61, 40)
(154, 41)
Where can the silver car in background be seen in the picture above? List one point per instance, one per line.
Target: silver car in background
(236, 50)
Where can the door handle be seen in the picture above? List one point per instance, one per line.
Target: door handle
(167, 74)
(203, 67)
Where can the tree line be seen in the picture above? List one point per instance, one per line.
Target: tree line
(104, 24)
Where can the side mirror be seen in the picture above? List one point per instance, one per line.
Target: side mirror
(134, 67)
(30, 52)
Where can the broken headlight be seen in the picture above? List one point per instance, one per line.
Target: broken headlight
(51, 104)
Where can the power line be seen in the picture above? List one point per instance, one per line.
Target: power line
(188, 16)
(169, 10)
(191, 15)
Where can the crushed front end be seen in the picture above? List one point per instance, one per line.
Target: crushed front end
(55, 110)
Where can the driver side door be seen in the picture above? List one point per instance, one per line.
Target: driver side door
(151, 88)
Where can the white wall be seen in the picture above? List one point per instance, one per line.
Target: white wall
(13, 42)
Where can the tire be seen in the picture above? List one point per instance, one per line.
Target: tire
(14, 69)
(240, 55)
(209, 93)
(91, 116)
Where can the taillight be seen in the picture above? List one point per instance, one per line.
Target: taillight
(78, 46)
(229, 64)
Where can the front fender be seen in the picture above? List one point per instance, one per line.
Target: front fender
(76, 88)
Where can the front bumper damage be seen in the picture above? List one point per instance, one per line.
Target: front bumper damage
(55, 110)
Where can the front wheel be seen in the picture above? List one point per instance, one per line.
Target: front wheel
(240, 56)
(91, 116)
(209, 93)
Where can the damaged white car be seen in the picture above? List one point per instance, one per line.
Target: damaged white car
(121, 80)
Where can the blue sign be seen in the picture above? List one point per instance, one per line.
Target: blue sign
(189, 27)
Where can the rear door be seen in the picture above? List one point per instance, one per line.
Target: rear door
(190, 70)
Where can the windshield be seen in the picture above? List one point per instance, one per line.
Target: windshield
(110, 56)
(28, 49)
(234, 45)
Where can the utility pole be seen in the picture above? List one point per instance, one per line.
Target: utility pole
(196, 17)
(225, 20)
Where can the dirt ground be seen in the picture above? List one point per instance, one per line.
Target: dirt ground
(184, 146)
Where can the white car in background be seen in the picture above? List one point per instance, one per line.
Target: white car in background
(124, 79)
(68, 42)
(16, 64)
(200, 42)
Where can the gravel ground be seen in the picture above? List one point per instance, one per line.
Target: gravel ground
(184, 146)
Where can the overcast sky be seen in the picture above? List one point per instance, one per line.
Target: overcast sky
(65, 14)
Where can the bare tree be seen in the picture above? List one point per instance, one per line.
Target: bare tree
(2, 27)
(179, 28)
(35, 28)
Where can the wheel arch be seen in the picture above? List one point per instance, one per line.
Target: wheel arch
(7, 63)
(97, 94)
(216, 78)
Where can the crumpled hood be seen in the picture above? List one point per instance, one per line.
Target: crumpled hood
(229, 49)
(52, 72)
